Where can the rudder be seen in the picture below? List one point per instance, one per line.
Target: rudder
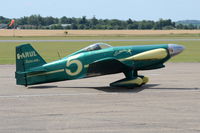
(26, 58)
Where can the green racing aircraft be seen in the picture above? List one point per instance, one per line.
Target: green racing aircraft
(95, 60)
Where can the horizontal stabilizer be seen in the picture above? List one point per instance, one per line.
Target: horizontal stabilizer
(34, 71)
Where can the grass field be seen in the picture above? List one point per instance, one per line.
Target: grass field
(49, 50)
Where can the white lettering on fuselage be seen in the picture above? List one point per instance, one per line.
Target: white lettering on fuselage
(26, 55)
(31, 61)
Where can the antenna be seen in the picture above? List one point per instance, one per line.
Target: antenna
(58, 54)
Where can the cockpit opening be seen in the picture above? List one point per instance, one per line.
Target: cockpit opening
(97, 46)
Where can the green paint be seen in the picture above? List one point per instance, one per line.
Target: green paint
(94, 60)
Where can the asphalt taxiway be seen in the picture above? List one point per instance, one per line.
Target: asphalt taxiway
(169, 103)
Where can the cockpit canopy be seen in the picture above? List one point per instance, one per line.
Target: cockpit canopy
(97, 46)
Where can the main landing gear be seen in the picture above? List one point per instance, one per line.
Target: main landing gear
(132, 80)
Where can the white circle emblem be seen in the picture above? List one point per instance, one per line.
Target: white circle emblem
(79, 67)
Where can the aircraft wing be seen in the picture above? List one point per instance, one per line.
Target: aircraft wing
(106, 66)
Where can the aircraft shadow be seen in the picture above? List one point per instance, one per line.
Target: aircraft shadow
(116, 89)
(136, 89)
(120, 89)
(42, 87)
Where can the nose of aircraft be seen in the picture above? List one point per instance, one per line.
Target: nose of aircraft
(175, 49)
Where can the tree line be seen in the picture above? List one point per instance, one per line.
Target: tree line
(39, 22)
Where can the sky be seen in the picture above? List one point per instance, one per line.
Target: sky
(104, 9)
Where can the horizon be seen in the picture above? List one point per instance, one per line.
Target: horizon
(123, 10)
(105, 18)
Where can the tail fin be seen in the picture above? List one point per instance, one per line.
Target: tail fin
(26, 58)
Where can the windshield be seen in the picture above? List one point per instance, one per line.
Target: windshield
(97, 46)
